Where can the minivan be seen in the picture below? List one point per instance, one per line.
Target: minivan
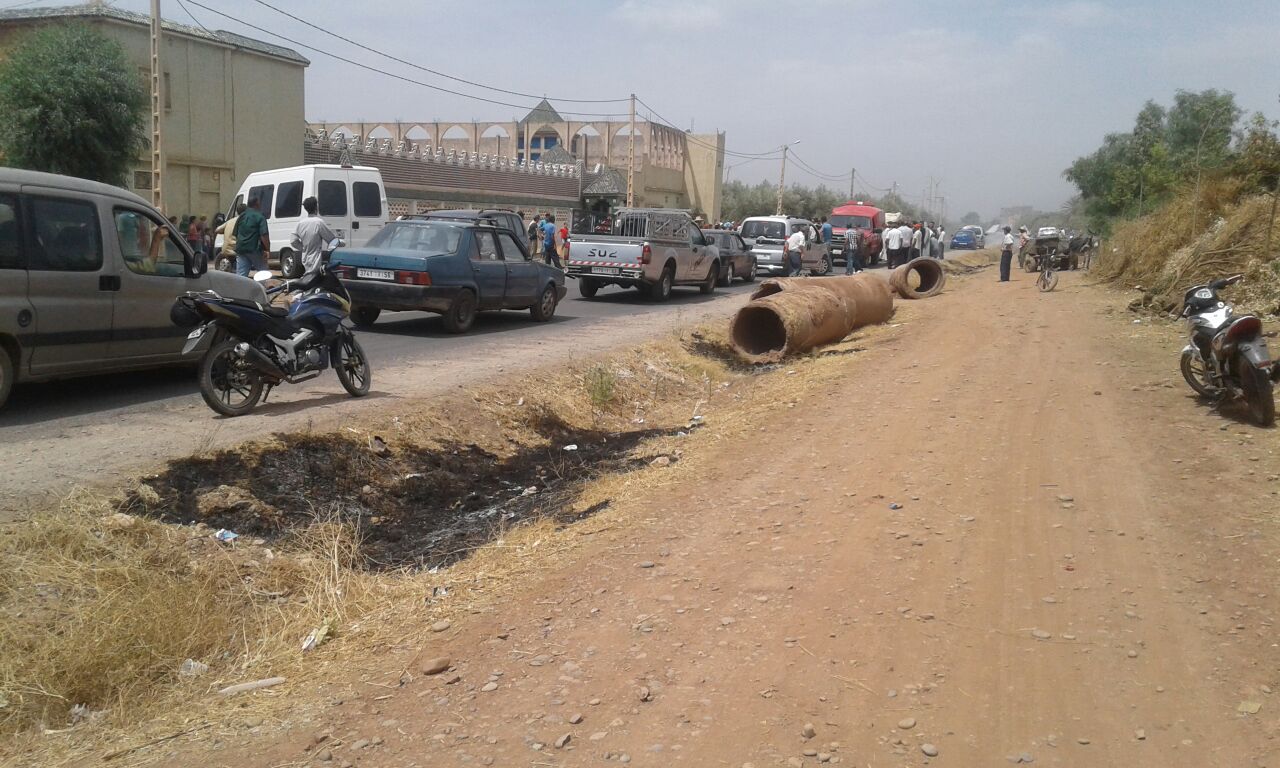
(766, 235)
(88, 276)
(352, 201)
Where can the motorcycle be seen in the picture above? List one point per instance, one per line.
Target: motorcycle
(256, 346)
(1227, 356)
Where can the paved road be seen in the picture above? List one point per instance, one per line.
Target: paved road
(57, 435)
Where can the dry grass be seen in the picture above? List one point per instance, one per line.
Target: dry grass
(1186, 242)
(101, 609)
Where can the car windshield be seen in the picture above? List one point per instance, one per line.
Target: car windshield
(840, 221)
(964, 234)
(430, 237)
(771, 229)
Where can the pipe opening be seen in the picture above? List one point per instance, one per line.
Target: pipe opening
(758, 331)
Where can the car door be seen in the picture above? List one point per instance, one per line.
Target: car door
(489, 269)
(523, 275)
(154, 275)
(694, 267)
(368, 211)
(71, 285)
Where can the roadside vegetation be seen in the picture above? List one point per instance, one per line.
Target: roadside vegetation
(742, 200)
(1189, 194)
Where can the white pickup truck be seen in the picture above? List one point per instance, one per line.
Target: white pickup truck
(651, 249)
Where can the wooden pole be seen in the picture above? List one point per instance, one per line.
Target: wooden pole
(631, 157)
(782, 177)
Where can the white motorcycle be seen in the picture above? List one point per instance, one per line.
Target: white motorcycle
(1227, 356)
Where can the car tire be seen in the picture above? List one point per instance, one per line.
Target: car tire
(462, 313)
(727, 278)
(545, 309)
(750, 276)
(824, 268)
(588, 288)
(6, 376)
(661, 290)
(365, 317)
(708, 286)
(290, 264)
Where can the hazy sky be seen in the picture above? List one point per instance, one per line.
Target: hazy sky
(994, 98)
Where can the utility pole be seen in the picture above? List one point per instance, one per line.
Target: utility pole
(157, 110)
(782, 176)
(853, 174)
(631, 156)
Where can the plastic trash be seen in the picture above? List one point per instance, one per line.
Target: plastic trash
(226, 536)
(895, 505)
(318, 636)
(192, 668)
(571, 447)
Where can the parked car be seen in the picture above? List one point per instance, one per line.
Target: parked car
(88, 276)
(979, 236)
(652, 249)
(766, 235)
(352, 201)
(736, 258)
(501, 217)
(963, 240)
(453, 267)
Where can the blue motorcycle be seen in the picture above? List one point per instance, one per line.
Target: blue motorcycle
(257, 346)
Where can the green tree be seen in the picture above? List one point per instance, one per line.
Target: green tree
(971, 217)
(71, 103)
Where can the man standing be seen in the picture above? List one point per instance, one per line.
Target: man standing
(942, 242)
(852, 250)
(793, 252)
(310, 237)
(827, 231)
(253, 239)
(228, 231)
(893, 245)
(549, 242)
(904, 248)
(1006, 255)
(917, 240)
(535, 235)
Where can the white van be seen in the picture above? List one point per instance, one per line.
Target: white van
(353, 202)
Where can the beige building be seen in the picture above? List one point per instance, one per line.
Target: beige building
(232, 105)
(673, 168)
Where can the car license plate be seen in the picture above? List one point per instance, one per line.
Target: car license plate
(605, 271)
(375, 274)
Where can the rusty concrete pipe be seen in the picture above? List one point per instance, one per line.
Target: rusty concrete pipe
(929, 278)
(789, 316)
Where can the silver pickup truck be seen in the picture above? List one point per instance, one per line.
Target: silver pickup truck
(651, 249)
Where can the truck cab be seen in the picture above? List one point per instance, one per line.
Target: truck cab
(856, 215)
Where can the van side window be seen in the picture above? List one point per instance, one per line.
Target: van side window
(289, 201)
(265, 194)
(147, 245)
(66, 236)
(10, 235)
(332, 196)
(368, 199)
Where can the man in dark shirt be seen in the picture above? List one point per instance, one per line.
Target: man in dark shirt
(253, 239)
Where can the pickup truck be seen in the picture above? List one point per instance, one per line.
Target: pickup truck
(651, 249)
(453, 266)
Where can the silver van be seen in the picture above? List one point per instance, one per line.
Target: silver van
(88, 275)
(766, 235)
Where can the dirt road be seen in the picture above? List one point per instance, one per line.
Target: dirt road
(1009, 535)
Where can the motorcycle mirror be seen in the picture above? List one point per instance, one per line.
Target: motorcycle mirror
(262, 276)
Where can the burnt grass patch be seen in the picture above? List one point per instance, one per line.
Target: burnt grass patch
(415, 507)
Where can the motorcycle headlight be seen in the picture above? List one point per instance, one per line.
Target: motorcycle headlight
(1204, 293)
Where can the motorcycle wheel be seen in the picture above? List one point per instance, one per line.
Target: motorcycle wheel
(1259, 395)
(1196, 374)
(1047, 281)
(228, 384)
(352, 365)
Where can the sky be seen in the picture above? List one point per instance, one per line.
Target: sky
(991, 99)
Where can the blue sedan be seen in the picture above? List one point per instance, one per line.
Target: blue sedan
(964, 240)
(452, 267)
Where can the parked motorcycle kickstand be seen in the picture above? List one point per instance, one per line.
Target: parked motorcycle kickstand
(267, 393)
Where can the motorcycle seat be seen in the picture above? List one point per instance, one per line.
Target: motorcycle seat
(275, 311)
(267, 309)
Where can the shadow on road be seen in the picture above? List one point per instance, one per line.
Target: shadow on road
(37, 402)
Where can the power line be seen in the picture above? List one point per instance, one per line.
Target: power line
(815, 172)
(352, 62)
(428, 69)
(690, 137)
(193, 17)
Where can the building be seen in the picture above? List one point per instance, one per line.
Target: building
(232, 105)
(673, 168)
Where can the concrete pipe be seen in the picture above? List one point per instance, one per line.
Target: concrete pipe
(785, 317)
(919, 278)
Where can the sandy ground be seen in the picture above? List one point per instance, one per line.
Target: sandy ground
(1008, 536)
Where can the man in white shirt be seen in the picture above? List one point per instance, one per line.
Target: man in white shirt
(892, 245)
(905, 231)
(1006, 255)
(942, 242)
(309, 238)
(794, 252)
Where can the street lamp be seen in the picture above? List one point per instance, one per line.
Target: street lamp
(783, 175)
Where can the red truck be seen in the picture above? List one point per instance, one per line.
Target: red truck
(859, 215)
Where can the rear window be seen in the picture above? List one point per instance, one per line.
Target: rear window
(264, 194)
(770, 229)
(332, 196)
(432, 238)
(367, 198)
(289, 201)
